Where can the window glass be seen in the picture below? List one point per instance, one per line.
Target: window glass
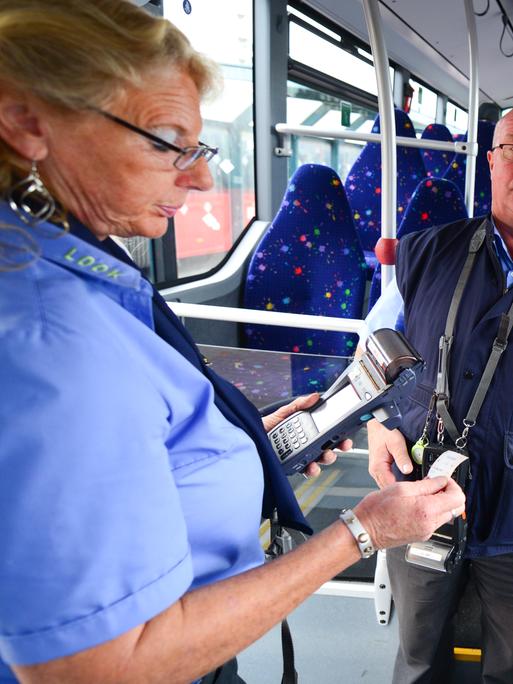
(314, 51)
(309, 107)
(423, 106)
(209, 222)
(456, 119)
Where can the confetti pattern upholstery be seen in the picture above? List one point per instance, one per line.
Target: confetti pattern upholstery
(309, 261)
(436, 161)
(482, 187)
(363, 184)
(435, 201)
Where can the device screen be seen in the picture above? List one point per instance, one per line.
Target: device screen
(335, 408)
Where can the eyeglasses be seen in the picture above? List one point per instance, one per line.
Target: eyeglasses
(506, 151)
(187, 156)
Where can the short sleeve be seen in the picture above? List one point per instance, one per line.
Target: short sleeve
(386, 312)
(93, 540)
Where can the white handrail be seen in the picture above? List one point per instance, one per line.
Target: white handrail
(387, 125)
(288, 320)
(473, 104)
(344, 134)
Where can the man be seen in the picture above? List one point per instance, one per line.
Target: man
(429, 264)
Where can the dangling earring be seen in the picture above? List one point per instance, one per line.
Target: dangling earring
(31, 200)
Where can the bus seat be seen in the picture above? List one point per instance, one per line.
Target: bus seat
(309, 261)
(436, 161)
(363, 184)
(456, 170)
(435, 201)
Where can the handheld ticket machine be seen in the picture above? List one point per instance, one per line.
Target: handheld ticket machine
(370, 387)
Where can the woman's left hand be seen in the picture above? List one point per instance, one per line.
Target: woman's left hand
(300, 404)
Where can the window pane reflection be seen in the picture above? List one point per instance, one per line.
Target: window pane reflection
(209, 223)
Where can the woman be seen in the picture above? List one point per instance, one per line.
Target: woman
(132, 483)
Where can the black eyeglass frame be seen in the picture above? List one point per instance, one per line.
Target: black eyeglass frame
(502, 146)
(198, 151)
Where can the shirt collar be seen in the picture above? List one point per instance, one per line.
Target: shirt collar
(71, 251)
(502, 250)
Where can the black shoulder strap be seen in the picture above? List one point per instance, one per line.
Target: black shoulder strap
(499, 345)
(446, 340)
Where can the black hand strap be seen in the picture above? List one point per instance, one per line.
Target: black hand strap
(281, 543)
(287, 649)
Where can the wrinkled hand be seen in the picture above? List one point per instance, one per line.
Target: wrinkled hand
(410, 511)
(300, 404)
(385, 447)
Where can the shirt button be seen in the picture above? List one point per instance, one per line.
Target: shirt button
(468, 374)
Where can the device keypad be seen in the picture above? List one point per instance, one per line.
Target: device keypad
(289, 437)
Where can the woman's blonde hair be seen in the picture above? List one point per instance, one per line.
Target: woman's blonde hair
(79, 53)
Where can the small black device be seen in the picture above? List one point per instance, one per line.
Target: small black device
(443, 551)
(370, 387)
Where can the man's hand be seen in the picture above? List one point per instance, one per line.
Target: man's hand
(300, 404)
(385, 447)
(410, 511)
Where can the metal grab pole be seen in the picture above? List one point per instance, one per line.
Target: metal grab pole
(387, 123)
(473, 104)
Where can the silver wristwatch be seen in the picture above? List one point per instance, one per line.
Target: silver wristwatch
(359, 532)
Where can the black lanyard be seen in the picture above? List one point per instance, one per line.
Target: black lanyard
(441, 394)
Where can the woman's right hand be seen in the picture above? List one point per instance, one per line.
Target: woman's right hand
(410, 511)
(385, 447)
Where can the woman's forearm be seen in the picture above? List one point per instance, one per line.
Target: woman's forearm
(220, 620)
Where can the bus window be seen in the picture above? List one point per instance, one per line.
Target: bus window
(332, 83)
(321, 54)
(309, 107)
(423, 106)
(456, 119)
(209, 223)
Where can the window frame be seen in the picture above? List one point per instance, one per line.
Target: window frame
(163, 252)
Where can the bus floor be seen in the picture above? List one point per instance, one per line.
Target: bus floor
(337, 640)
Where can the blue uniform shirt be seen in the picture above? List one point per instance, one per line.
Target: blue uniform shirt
(122, 485)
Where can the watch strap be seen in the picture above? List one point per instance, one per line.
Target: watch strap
(358, 531)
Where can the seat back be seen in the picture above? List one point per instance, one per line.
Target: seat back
(436, 161)
(456, 170)
(309, 261)
(435, 201)
(363, 183)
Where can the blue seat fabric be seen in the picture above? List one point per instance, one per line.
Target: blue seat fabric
(363, 183)
(436, 161)
(309, 261)
(456, 170)
(435, 201)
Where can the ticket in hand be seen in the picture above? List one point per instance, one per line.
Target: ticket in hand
(446, 464)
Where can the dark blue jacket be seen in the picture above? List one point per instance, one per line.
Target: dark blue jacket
(428, 266)
(230, 401)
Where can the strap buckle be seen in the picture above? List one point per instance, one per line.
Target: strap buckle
(461, 442)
